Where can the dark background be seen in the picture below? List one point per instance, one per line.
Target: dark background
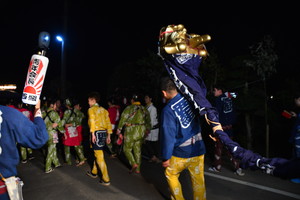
(100, 36)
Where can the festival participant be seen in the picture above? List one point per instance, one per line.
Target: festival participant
(53, 124)
(78, 122)
(100, 129)
(137, 122)
(16, 128)
(181, 142)
(182, 54)
(71, 135)
(224, 105)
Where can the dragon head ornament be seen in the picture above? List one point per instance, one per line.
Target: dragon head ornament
(174, 39)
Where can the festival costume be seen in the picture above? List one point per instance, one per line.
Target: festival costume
(136, 120)
(182, 54)
(114, 115)
(12, 131)
(195, 166)
(182, 144)
(73, 135)
(25, 153)
(227, 118)
(51, 116)
(99, 123)
(78, 122)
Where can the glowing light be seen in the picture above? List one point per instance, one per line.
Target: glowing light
(46, 38)
(59, 38)
(8, 87)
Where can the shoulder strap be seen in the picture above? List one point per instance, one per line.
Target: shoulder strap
(134, 112)
(72, 112)
(47, 115)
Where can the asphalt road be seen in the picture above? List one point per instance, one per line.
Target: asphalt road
(71, 183)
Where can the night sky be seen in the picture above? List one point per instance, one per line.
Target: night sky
(100, 36)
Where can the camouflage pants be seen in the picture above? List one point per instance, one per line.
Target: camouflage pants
(51, 157)
(79, 152)
(24, 152)
(134, 138)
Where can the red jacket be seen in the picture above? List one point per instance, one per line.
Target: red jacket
(114, 114)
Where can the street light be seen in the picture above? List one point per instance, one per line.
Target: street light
(63, 68)
(59, 38)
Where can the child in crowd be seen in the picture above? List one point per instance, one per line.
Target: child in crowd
(53, 124)
(72, 136)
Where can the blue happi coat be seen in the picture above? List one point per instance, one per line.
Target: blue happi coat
(15, 128)
(180, 130)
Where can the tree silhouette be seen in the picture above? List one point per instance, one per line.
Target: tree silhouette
(263, 61)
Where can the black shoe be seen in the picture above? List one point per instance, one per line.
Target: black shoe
(90, 174)
(30, 157)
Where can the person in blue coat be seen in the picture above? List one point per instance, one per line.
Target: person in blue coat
(15, 129)
(227, 117)
(182, 146)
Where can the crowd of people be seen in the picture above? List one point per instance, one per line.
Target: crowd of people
(131, 128)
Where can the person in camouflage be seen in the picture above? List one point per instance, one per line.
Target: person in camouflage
(72, 135)
(53, 124)
(78, 121)
(136, 120)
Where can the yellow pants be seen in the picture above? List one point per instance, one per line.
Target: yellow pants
(195, 165)
(99, 160)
